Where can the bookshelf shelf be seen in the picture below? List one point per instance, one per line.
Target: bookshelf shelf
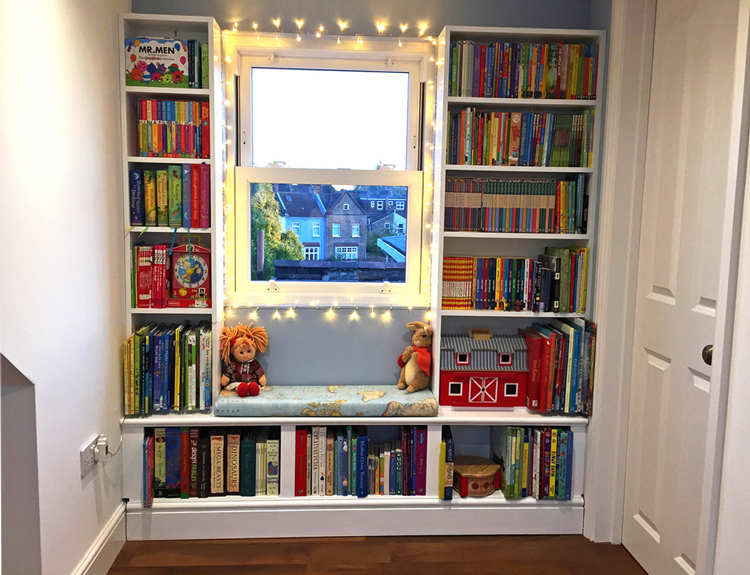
(515, 236)
(165, 230)
(165, 92)
(521, 103)
(503, 314)
(146, 160)
(176, 311)
(517, 169)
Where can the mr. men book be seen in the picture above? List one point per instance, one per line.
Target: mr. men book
(156, 62)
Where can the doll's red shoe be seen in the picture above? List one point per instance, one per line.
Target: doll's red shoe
(244, 389)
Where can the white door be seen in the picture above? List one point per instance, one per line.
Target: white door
(685, 272)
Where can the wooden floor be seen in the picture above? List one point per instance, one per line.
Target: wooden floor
(519, 555)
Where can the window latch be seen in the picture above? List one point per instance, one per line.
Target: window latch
(386, 287)
(272, 286)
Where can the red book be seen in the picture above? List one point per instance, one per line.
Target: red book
(194, 435)
(482, 74)
(300, 469)
(420, 460)
(205, 195)
(534, 352)
(143, 280)
(573, 268)
(184, 462)
(558, 91)
(195, 196)
(205, 131)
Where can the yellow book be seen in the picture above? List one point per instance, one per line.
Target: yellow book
(441, 473)
(162, 198)
(178, 337)
(583, 253)
(131, 374)
(525, 466)
(553, 464)
(149, 187)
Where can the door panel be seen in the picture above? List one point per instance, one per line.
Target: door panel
(687, 173)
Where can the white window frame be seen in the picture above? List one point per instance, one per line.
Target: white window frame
(316, 229)
(345, 207)
(399, 205)
(297, 228)
(355, 226)
(346, 250)
(505, 389)
(335, 230)
(381, 54)
(412, 291)
(380, 204)
(460, 388)
(313, 251)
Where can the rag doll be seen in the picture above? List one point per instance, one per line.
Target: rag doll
(241, 371)
(416, 361)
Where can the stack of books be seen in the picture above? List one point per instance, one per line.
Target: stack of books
(343, 461)
(480, 138)
(168, 368)
(555, 281)
(517, 206)
(176, 197)
(523, 70)
(174, 129)
(197, 462)
(536, 462)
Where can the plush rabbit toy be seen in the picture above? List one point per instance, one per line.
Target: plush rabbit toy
(416, 361)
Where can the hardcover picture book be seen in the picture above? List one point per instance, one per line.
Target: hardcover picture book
(156, 62)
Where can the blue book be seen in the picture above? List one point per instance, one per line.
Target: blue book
(186, 195)
(166, 358)
(449, 458)
(569, 465)
(247, 463)
(341, 464)
(136, 198)
(156, 370)
(362, 475)
(561, 467)
(392, 473)
(173, 461)
(351, 443)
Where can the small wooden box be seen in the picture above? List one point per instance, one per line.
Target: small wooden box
(476, 476)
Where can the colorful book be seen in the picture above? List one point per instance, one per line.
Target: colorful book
(156, 62)
(173, 468)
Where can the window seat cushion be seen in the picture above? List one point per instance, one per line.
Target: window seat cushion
(329, 401)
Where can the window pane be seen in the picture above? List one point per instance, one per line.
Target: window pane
(323, 241)
(312, 118)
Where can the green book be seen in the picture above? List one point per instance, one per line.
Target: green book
(174, 179)
(149, 187)
(162, 198)
(399, 469)
(204, 66)
(564, 255)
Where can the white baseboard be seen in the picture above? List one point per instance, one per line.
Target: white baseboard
(106, 547)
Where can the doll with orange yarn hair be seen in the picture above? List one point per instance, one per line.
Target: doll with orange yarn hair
(241, 371)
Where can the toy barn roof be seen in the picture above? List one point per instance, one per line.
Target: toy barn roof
(483, 354)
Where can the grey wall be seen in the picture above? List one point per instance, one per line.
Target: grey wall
(312, 349)
(362, 14)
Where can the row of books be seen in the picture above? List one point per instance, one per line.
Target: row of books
(479, 138)
(536, 462)
(150, 278)
(174, 129)
(343, 461)
(168, 368)
(553, 282)
(560, 360)
(523, 70)
(190, 462)
(176, 197)
(523, 206)
(167, 62)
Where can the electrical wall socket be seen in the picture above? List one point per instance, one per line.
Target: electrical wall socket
(87, 457)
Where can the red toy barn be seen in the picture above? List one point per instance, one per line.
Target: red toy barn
(483, 373)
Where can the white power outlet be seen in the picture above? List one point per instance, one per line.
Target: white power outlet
(88, 457)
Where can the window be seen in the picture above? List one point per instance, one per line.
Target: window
(387, 225)
(511, 389)
(455, 388)
(346, 252)
(298, 113)
(390, 203)
(296, 228)
(505, 359)
(399, 205)
(462, 358)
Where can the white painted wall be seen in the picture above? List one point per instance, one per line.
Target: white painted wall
(61, 272)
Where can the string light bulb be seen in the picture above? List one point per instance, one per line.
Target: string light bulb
(290, 312)
(381, 28)
(372, 311)
(234, 28)
(255, 27)
(330, 314)
(354, 315)
(320, 31)
(277, 23)
(276, 315)
(422, 28)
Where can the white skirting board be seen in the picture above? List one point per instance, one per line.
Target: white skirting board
(321, 519)
(104, 550)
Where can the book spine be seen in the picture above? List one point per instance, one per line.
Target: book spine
(321, 476)
(247, 467)
(204, 66)
(420, 448)
(195, 195)
(233, 463)
(300, 477)
(162, 198)
(205, 151)
(218, 464)
(184, 462)
(205, 195)
(173, 461)
(136, 198)
(362, 467)
(148, 468)
(273, 464)
(186, 197)
(160, 462)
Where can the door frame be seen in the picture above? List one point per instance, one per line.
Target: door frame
(623, 161)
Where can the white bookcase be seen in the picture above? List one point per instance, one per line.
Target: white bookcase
(289, 516)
